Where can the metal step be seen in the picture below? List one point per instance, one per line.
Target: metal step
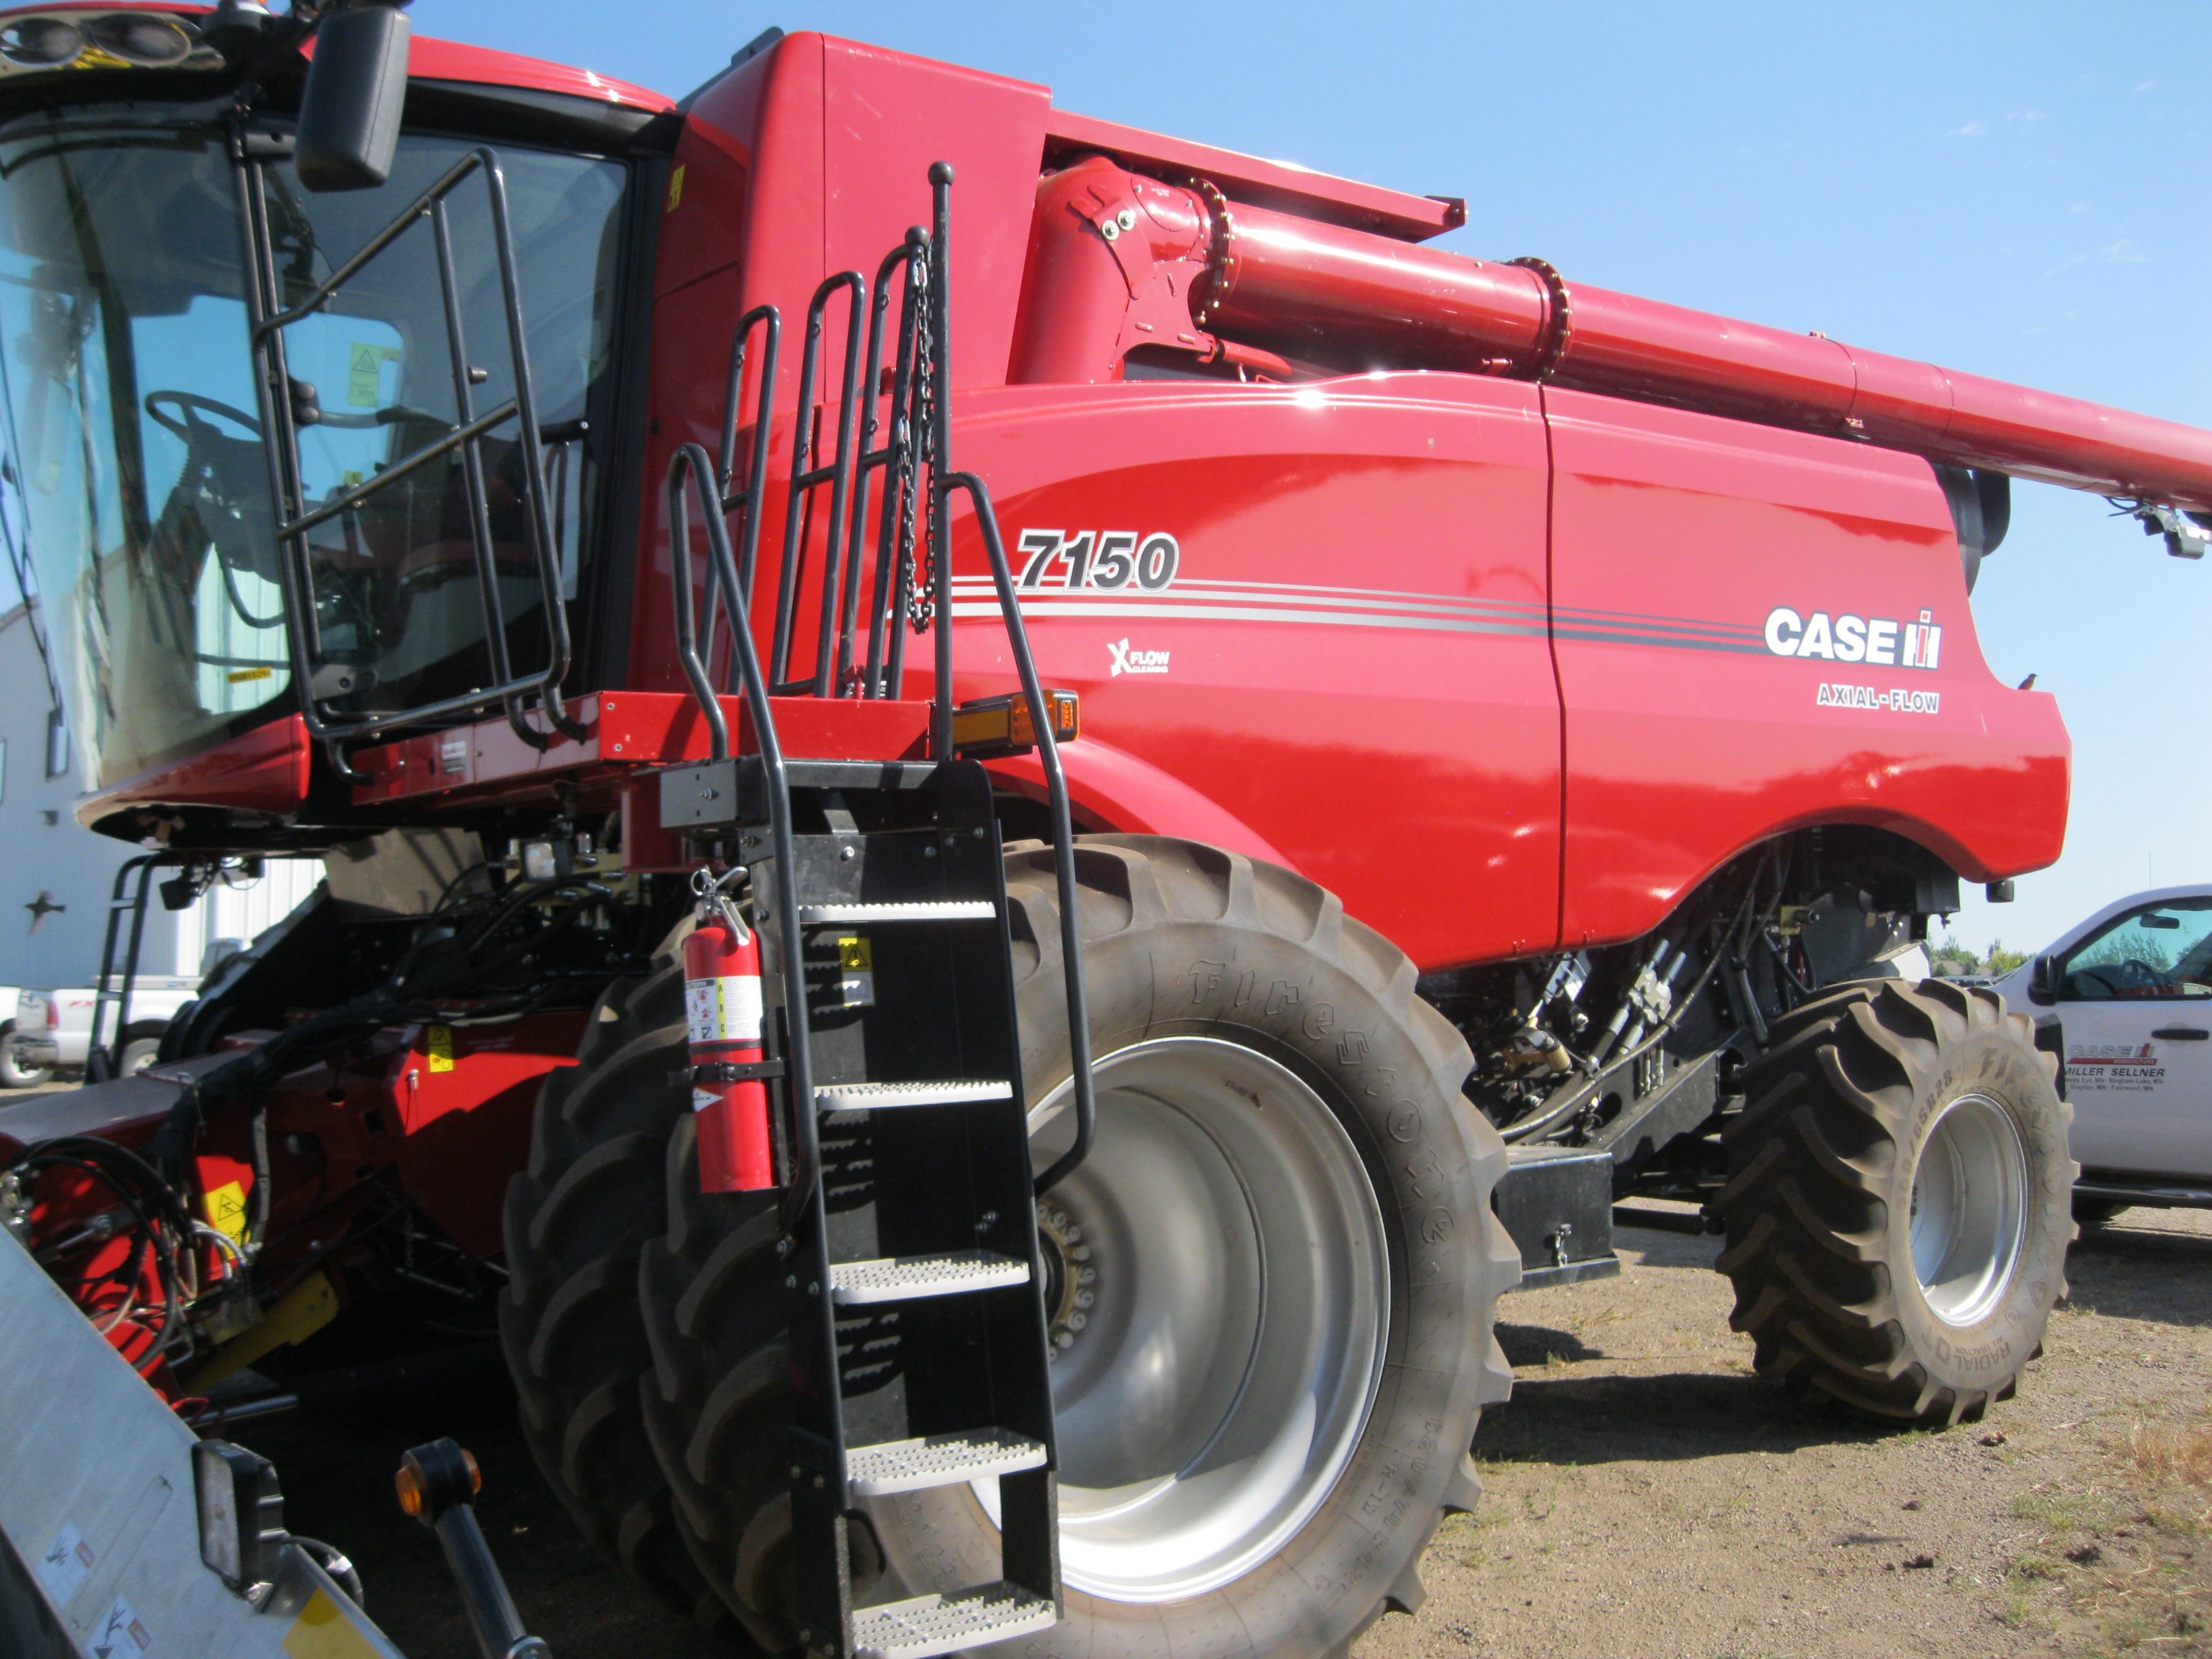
(945, 1624)
(904, 1277)
(938, 1460)
(932, 911)
(875, 1097)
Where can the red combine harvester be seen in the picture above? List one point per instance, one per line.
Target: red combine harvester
(941, 1178)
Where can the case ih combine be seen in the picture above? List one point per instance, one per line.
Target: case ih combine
(661, 557)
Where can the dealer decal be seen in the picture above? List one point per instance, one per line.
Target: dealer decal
(1101, 559)
(1878, 642)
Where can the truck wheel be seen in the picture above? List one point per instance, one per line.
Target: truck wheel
(1897, 1199)
(15, 1076)
(568, 1319)
(141, 1045)
(1272, 1286)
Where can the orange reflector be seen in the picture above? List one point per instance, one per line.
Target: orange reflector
(409, 1485)
(1003, 726)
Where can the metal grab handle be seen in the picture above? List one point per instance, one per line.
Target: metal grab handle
(691, 460)
(1063, 828)
(268, 320)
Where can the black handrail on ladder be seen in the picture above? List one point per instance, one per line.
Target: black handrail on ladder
(920, 388)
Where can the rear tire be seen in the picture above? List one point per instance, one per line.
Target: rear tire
(569, 1321)
(1897, 1200)
(1238, 1015)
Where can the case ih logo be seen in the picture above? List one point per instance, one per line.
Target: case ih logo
(1877, 641)
(1126, 661)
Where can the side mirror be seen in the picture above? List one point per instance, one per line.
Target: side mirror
(2043, 982)
(350, 113)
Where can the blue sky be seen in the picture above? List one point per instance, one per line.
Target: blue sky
(2019, 190)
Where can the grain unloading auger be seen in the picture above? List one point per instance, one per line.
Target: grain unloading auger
(1526, 731)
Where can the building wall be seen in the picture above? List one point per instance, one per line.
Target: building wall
(47, 859)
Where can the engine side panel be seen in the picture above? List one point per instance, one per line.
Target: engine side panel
(1350, 653)
(1676, 540)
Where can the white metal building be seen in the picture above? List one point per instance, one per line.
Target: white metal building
(56, 877)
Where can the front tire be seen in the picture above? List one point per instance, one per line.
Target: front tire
(1268, 1383)
(1897, 1200)
(569, 1321)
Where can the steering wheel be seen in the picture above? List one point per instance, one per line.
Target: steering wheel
(189, 401)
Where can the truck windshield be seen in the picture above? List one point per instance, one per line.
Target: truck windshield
(134, 467)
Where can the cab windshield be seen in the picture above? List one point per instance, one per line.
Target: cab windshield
(132, 463)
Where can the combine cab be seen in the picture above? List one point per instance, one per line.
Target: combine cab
(1011, 808)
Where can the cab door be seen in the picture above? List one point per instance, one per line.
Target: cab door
(2135, 1000)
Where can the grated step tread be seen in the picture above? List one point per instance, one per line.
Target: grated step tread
(927, 910)
(906, 1278)
(938, 1460)
(945, 1624)
(875, 1097)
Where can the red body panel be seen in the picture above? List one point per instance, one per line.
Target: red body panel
(1673, 537)
(1484, 655)
(264, 769)
(1358, 640)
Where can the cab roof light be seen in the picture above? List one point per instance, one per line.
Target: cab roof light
(115, 40)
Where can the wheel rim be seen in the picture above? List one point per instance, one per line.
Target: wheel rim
(1213, 1390)
(1969, 1209)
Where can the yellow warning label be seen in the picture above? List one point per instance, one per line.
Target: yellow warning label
(855, 957)
(225, 1210)
(323, 1632)
(242, 676)
(439, 1041)
(675, 189)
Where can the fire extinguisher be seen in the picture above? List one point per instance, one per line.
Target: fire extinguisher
(729, 1090)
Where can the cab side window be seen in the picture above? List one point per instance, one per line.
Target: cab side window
(2159, 952)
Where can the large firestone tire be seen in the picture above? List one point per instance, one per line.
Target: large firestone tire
(569, 1321)
(1279, 1267)
(1897, 1199)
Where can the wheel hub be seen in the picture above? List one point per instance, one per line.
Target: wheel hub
(1969, 1222)
(1216, 1281)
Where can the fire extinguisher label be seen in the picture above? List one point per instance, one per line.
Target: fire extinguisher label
(723, 1010)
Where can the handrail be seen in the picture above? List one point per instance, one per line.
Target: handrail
(509, 689)
(1063, 828)
(895, 530)
(691, 460)
(920, 396)
(838, 475)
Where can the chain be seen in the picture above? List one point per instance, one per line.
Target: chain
(920, 603)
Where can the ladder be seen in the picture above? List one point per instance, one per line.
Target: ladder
(914, 1281)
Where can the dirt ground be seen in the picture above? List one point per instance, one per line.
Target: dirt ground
(1645, 1496)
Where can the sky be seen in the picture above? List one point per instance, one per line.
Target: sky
(2018, 190)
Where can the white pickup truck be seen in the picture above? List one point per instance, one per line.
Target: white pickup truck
(51, 1031)
(2132, 988)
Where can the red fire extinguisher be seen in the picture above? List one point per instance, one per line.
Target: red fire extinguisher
(723, 1010)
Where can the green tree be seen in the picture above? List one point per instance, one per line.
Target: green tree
(1999, 961)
